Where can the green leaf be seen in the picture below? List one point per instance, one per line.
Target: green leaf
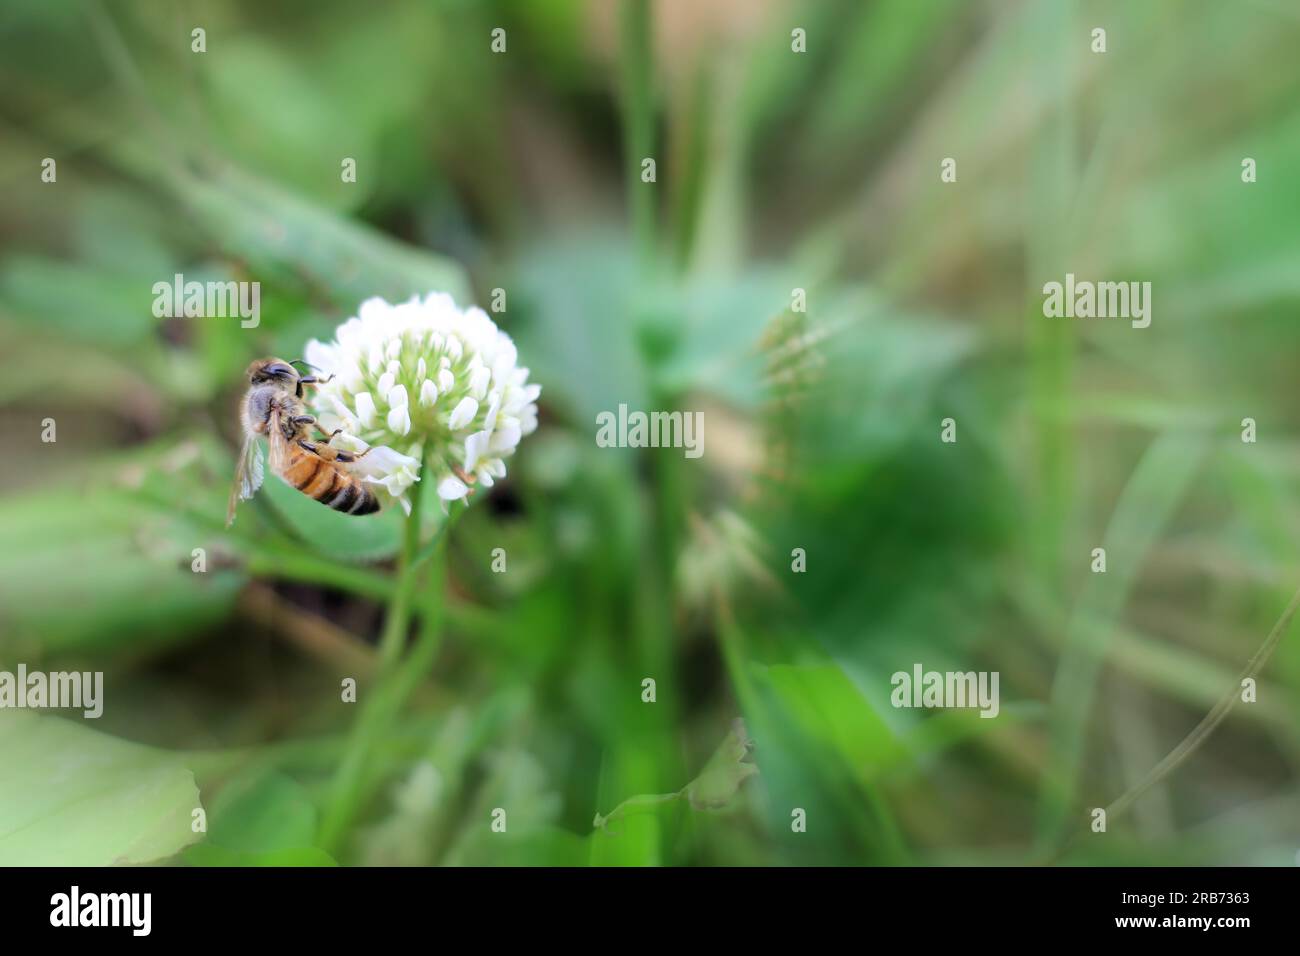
(75, 797)
(822, 703)
(261, 818)
(267, 108)
(98, 569)
(108, 564)
(261, 812)
(77, 302)
(203, 854)
(726, 770)
(284, 237)
(713, 789)
(349, 537)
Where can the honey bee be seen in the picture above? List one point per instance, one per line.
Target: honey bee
(273, 406)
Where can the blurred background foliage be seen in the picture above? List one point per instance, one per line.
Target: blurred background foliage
(776, 171)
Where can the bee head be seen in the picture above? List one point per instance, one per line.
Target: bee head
(272, 370)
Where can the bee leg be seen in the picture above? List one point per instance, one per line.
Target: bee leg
(310, 380)
(323, 451)
(330, 437)
(350, 456)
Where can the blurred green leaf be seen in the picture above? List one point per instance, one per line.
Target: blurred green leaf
(283, 237)
(346, 537)
(76, 301)
(268, 109)
(821, 702)
(261, 812)
(74, 797)
(92, 571)
(260, 818)
(725, 772)
(203, 854)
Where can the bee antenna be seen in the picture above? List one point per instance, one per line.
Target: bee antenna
(302, 362)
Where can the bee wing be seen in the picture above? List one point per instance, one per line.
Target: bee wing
(279, 444)
(249, 472)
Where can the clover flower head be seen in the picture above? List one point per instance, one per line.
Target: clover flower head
(424, 377)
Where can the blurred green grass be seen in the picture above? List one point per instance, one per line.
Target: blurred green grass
(776, 170)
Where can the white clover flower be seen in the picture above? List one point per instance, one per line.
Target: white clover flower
(420, 377)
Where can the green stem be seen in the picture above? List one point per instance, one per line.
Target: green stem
(418, 663)
(353, 783)
(398, 621)
(348, 788)
(638, 121)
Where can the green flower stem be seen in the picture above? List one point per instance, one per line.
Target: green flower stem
(638, 120)
(354, 782)
(418, 663)
(398, 621)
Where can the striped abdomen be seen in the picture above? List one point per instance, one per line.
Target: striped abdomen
(328, 483)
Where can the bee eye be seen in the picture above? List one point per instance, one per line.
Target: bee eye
(276, 370)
